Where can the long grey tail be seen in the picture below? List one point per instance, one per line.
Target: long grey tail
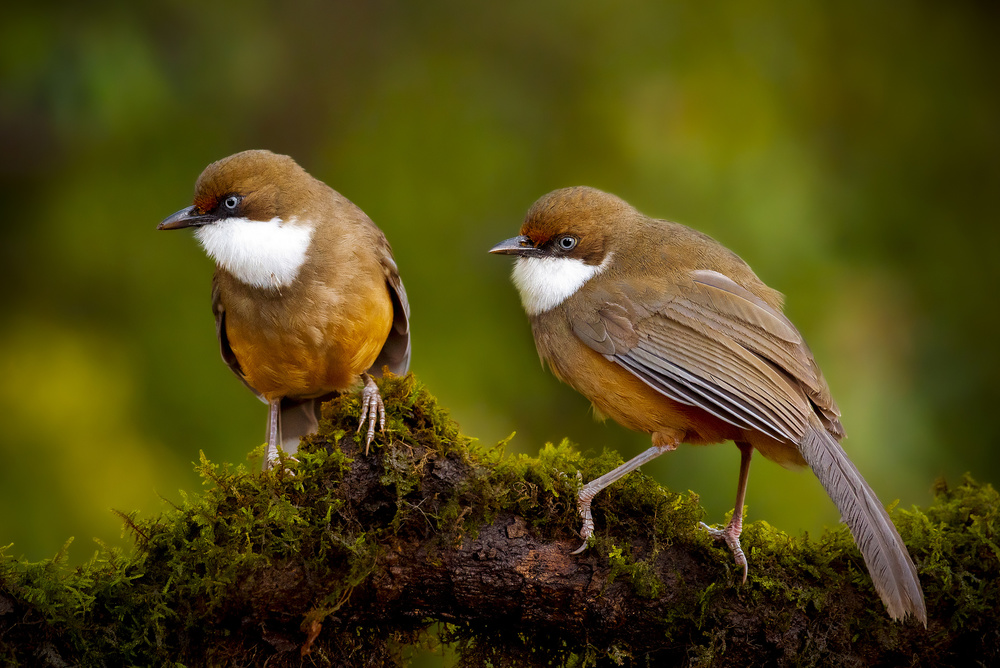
(888, 562)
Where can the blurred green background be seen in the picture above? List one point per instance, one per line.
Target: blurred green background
(848, 151)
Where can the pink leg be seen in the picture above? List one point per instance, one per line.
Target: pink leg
(731, 534)
(273, 438)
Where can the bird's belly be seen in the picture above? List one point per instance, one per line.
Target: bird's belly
(290, 358)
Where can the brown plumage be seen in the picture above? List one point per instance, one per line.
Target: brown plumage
(306, 294)
(670, 333)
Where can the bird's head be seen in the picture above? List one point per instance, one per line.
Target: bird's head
(254, 185)
(252, 213)
(566, 239)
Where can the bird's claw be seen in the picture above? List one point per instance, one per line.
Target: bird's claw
(731, 536)
(273, 459)
(270, 457)
(372, 409)
(587, 530)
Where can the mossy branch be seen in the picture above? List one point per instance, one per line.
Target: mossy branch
(344, 559)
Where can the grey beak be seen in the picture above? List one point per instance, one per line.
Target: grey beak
(517, 246)
(187, 217)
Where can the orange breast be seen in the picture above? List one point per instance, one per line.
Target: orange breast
(321, 347)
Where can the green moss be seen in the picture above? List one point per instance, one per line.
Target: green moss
(955, 543)
(205, 572)
(641, 573)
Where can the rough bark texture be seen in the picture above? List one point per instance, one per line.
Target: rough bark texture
(353, 557)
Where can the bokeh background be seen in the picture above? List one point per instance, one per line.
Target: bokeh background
(847, 150)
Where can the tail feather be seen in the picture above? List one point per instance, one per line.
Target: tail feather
(888, 561)
(299, 417)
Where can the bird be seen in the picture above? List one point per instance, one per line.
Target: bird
(306, 294)
(670, 333)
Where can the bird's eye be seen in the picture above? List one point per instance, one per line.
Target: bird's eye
(567, 243)
(231, 202)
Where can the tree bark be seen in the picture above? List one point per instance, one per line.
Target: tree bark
(344, 558)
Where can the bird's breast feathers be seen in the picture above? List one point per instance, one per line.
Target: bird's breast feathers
(262, 254)
(310, 360)
(546, 282)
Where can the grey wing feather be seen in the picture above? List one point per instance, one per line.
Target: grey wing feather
(595, 334)
(689, 389)
(728, 297)
(395, 353)
(713, 344)
(766, 331)
(611, 332)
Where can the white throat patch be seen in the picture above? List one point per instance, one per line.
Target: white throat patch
(546, 282)
(263, 254)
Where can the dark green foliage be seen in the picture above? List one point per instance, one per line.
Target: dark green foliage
(306, 558)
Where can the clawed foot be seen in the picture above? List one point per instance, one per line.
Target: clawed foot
(272, 459)
(731, 536)
(372, 408)
(587, 530)
(590, 490)
(270, 456)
